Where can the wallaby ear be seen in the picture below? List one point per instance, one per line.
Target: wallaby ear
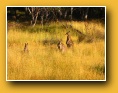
(26, 44)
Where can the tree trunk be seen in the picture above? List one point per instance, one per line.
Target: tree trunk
(34, 11)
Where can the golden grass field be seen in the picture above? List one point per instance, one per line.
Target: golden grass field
(85, 61)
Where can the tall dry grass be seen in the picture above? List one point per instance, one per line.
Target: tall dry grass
(85, 61)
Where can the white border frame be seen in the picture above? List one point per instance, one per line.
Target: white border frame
(55, 80)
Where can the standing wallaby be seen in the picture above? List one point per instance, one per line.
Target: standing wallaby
(69, 41)
(61, 46)
(26, 47)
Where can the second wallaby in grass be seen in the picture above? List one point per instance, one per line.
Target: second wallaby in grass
(61, 46)
(26, 47)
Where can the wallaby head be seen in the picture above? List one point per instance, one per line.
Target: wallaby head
(26, 44)
(67, 33)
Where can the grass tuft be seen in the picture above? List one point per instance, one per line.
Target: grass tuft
(85, 61)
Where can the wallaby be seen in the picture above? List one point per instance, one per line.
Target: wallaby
(69, 41)
(61, 46)
(26, 47)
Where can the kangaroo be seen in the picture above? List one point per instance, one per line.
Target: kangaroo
(69, 41)
(61, 46)
(26, 47)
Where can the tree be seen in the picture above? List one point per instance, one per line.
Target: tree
(47, 14)
(34, 12)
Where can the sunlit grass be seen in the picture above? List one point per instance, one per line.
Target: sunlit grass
(85, 61)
